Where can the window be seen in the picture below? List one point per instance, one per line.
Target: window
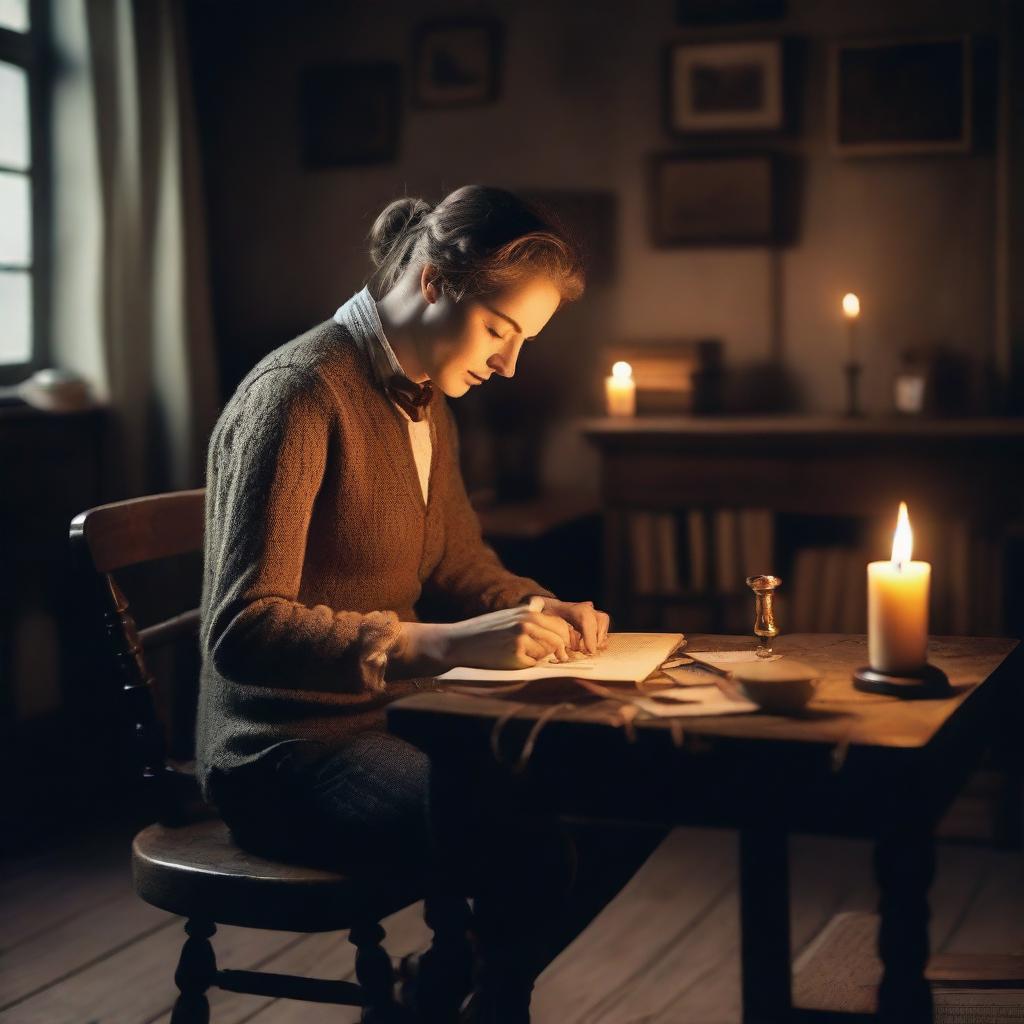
(22, 188)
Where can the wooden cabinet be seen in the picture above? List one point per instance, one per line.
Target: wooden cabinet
(961, 478)
(49, 471)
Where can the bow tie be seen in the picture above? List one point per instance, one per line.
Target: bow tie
(412, 397)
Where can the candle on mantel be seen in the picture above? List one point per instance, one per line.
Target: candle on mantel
(851, 310)
(620, 391)
(898, 606)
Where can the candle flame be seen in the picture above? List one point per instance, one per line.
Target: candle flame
(851, 306)
(622, 371)
(903, 538)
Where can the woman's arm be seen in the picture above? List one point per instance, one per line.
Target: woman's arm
(266, 465)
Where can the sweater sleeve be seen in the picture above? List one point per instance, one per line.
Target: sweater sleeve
(470, 574)
(267, 459)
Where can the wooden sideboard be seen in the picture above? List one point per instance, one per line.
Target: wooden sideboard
(50, 466)
(964, 471)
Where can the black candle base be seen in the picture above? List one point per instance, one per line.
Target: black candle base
(928, 683)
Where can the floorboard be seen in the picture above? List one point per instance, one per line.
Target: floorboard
(686, 877)
(79, 948)
(90, 936)
(37, 897)
(994, 920)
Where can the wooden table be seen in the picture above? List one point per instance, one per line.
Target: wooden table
(854, 764)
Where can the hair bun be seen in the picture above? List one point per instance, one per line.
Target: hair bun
(479, 239)
(395, 222)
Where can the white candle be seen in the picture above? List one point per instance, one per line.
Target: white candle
(620, 391)
(898, 606)
(851, 310)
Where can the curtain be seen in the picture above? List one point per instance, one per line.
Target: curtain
(131, 309)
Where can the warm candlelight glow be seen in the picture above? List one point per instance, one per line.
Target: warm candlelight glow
(902, 539)
(620, 390)
(851, 306)
(898, 606)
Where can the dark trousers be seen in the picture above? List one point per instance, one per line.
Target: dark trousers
(379, 804)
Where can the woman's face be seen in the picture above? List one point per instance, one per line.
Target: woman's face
(479, 336)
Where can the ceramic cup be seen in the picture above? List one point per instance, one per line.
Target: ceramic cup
(782, 686)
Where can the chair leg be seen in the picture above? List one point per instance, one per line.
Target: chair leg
(197, 968)
(374, 974)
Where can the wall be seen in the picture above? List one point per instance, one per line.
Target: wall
(581, 108)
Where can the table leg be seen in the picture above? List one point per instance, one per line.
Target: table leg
(764, 924)
(904, 868)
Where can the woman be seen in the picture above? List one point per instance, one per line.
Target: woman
(334, 500)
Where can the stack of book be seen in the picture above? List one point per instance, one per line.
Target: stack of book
(827, 591)
(698, 551)
(708, 553)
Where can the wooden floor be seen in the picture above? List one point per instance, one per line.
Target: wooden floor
(78, 947)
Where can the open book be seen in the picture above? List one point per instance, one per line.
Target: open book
(628, 658)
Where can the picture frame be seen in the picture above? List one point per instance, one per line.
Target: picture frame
(455, 62)
(901, 96)
(350, 114)
(713, 200)
(727, 87)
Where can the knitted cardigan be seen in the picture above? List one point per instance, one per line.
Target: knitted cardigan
(318, 543)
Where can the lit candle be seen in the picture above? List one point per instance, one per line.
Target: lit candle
(851, 310)
(898, 606)
(620, 391)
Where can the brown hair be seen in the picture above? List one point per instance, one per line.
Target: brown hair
(480, 239)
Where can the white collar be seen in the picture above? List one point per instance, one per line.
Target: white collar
(363, 308)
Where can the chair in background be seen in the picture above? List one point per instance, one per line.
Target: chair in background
(186, 862)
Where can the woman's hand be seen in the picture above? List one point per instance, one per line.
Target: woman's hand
(588, 627)
(512, 638)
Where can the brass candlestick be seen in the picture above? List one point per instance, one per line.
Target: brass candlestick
(764, 612)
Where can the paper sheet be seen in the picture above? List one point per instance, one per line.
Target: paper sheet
(723, 659)
(691, 701)
(628, 658)
(694, 675)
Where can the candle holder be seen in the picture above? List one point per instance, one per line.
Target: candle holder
(928, 682)
(765, 629)
(852, 372)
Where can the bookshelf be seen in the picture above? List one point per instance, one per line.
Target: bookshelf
(731, 479)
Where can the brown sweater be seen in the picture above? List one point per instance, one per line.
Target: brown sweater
(318, 543)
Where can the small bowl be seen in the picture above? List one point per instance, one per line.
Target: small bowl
(783, 687)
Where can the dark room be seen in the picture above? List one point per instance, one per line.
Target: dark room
(511, 511)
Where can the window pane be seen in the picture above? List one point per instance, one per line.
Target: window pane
(14, 148)
(15, 316)
(14, 14)
(15, 220)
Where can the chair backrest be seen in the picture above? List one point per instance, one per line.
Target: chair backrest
(116, 537)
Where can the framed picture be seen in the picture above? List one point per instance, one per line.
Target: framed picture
(725, 87)
(712, 200)
(455, 63)
(350, 114)
(901, 97)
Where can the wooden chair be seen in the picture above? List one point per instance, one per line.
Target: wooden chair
(186, 862)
